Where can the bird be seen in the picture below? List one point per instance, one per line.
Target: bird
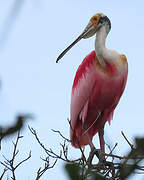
(98, 85)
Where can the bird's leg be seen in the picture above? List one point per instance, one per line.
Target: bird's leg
(102, 147)
(102, 143)
(93, 151)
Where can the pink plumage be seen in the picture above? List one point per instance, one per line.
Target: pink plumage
(98, 85)
(95, 93)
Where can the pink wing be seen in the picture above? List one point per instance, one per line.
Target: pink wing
(86, 84)
(82, 87)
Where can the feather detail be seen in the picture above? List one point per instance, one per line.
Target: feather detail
(94, 90)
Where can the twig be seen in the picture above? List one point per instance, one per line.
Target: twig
(114, 147)
(115, 156)
(107, 169)
(0, 141)
(29, 156)
(131, 145)
(111, 150)
(9, 164)
(40, 171)
(61, 135)
(4, 171)
(51, 153)
(5, 165)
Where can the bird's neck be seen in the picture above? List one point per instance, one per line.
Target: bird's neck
(100, 44)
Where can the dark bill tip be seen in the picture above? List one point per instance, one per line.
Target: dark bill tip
(69, 47)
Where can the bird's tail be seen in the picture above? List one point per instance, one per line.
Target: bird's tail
(77, 136)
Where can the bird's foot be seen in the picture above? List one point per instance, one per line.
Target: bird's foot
(102, 161)
(96, 152)
(106, 164)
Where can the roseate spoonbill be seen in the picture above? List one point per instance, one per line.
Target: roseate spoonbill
(98, 85)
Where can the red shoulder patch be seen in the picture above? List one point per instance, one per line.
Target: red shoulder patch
(87, 62)
(111, 68)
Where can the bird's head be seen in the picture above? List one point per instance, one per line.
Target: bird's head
(95, 23)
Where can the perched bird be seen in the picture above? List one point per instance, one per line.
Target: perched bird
(98, 85)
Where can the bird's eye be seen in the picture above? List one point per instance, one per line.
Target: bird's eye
(101, 20)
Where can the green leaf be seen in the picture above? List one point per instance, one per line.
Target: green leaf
(97, 176)
(73, 171)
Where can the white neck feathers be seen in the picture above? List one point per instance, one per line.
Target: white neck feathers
(100, 44)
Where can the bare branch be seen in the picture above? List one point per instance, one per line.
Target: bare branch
(4, 171)
(29, 156)
(62, 154)
(131, 145)
(40, 171)
(9, 164)
(6, 166)
(61, 135)
(114, 156)
(107, 169)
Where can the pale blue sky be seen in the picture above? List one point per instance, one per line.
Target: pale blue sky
(31, 38)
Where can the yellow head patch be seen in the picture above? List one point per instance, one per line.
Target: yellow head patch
(95, 19)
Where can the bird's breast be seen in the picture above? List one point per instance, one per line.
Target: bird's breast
(105, 91)
(114, 67)
(108, 70)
